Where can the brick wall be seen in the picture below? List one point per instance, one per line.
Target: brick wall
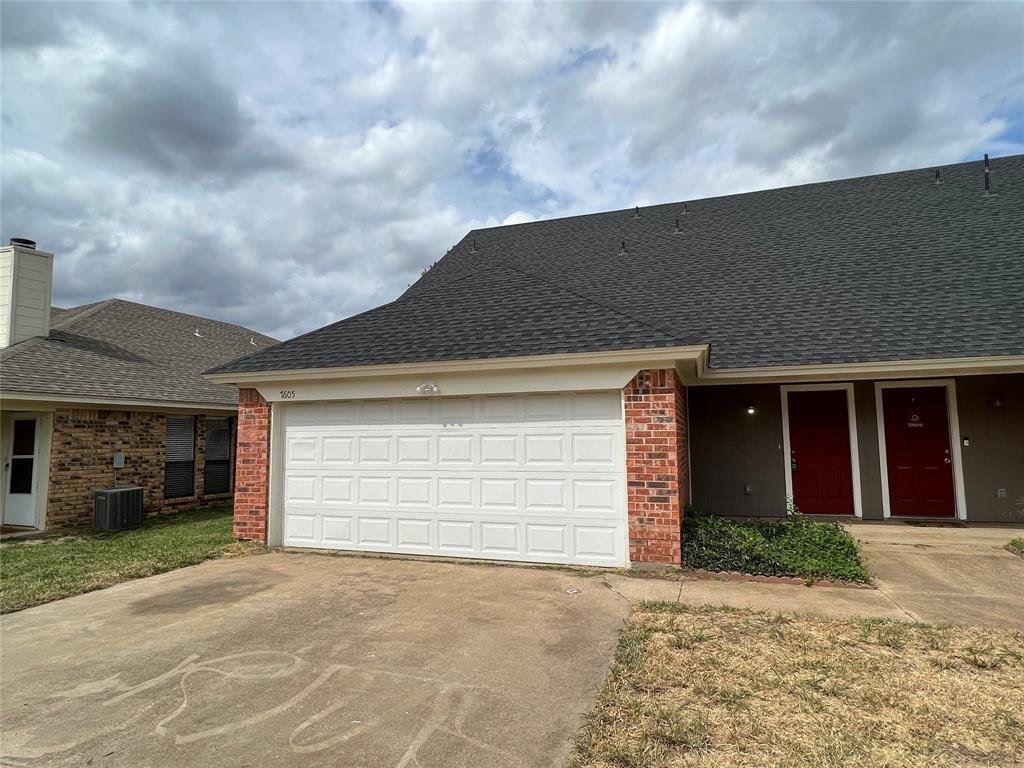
(252, 466)
(657, 465)
(81, 461)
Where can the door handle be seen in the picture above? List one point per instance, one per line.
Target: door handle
(948, 460)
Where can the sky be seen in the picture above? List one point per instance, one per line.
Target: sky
(283, 165)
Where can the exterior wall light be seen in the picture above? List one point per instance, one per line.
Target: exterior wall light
(751, 410)
(428, 388)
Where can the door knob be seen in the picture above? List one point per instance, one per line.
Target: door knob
(948, 460)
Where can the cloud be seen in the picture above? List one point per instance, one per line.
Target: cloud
(170, 115)
(285, 165)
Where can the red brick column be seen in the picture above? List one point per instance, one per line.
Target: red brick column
(657, 465)
(252, 466)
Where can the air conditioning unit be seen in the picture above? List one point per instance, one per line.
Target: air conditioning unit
(115, 509)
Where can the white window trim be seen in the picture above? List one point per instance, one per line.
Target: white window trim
(851, 412)
(954, 440)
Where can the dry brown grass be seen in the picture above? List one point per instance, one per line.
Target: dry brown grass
(721, 688)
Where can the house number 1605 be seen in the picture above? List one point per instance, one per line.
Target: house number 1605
(287, 394)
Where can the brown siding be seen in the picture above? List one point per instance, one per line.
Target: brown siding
(867, 445)
(730, 449)
(995, 457)
(81, 462)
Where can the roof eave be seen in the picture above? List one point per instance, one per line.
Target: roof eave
(689, 360)
(887, 369)
(21, 400)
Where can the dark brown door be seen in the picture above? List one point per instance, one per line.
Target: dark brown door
(917, 452)
(819, 442)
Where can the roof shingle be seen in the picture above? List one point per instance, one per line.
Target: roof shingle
(886, 267)
(120, 350)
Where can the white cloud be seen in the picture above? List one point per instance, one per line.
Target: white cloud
(284, 165)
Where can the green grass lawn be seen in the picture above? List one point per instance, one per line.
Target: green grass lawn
(37, 571)
(795, 546)
(1016, 545)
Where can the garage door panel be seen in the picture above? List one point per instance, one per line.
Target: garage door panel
(413, 533)
(455, 450)
(414, 450)
(595, 496)
(545, 450)
(374, 531)
(594, 450)
(546, 495)
(595, 543)
(337, 529)
(301, 528)
(336, 490)
(456, 536)
(375, 449)
(498, 449)
(499, 493)
(374, 490)
(513, 477)
(375, 412)
(546, 540)
(501, 539)
(414, 491)
(300, 488)
(301, 451)
(338, 450)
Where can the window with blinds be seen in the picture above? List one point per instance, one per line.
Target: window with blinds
(217, 461)
(180, 457)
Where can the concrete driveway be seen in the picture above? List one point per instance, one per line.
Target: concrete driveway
(308, 660)
(947, 575)
(298, 659)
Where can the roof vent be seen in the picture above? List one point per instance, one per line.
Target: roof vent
(473, 249)
(678, 230)
(24, 242)
(252, 340)
(988, 184)
(623, 250)
(685, 209)
(938, 177)
(637, 214)
(987, 169)
(197, 334)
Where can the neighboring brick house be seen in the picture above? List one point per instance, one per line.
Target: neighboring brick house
(559, 391)
(80, 385)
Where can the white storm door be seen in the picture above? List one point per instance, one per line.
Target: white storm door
(21, 472)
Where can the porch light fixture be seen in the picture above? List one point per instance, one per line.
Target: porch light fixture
(751, 410)
(428, 388)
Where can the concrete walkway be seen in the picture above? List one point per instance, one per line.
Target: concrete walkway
(957, 574)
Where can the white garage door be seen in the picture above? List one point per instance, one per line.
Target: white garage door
(520, 477)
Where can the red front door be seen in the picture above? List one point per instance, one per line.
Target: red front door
(917, 452)
(819, 443)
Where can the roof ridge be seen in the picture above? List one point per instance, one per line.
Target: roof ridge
(91, 310)
(689, 200)
(105, 303)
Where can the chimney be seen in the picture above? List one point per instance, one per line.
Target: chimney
(26, 288)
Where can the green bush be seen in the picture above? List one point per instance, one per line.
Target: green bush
(796, 546)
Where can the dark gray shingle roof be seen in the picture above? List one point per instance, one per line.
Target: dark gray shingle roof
(887, 267)
(120, 350)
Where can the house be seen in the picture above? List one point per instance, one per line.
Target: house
(560, 391)
(81, 385)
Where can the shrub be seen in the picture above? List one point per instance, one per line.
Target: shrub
(797, 546)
